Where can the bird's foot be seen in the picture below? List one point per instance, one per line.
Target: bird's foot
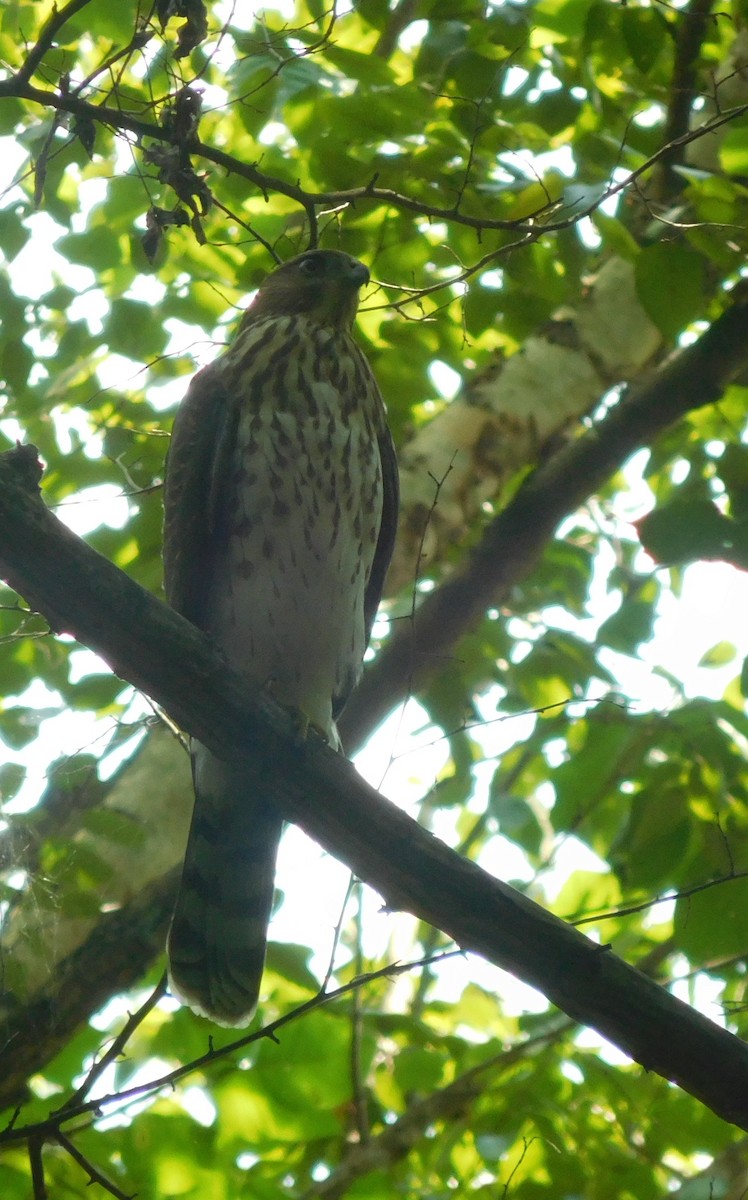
(304, 728)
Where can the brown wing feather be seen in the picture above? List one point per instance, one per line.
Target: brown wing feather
(196, 473)
(387, 529)
(385, 543)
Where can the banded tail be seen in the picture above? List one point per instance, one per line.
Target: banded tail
(216, 943)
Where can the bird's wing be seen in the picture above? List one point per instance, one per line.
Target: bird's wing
(197, 473)
(384, 547)
(387, 529)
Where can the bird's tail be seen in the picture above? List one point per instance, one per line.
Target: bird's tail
(216, 943)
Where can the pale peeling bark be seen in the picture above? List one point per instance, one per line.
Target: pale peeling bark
(149, 807)
(511, 413)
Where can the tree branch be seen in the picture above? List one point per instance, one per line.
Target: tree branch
(94, 1174)
(451, 1103)
(514, 541)
(46, 39)
(87, 1106)
(59, 965)
(691, 29)
(127, 938)
(513, 413)
(401, 16)
(155, 649)
(16, 86)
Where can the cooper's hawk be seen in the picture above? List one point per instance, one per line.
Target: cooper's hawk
(280, 514)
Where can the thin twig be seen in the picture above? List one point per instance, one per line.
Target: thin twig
(50, 1127)
(533, 225)
(94, 1174)
(358, 1087)
(670, 897)
(38, 1183)
(336, 934)
(115, 1049)
(46, 39)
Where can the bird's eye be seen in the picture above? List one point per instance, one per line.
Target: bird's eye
(310, 266)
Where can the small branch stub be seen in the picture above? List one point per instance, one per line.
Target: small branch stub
(23, 466)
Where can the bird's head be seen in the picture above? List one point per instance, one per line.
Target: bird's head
(321, 283)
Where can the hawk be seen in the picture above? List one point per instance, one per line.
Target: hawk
(280, 501)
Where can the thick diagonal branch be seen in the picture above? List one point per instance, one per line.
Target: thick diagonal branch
(83, 594)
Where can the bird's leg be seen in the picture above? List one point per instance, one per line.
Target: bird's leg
(303, 725)
(306, 729)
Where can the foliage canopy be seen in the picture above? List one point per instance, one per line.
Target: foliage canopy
(552, 199)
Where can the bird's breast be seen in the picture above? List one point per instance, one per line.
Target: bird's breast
(302, 511)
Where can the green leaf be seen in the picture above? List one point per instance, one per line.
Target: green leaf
(686, 530)
(19, 725)
(133, 330)
(417, 1069)
(116, 827)
(713, 922)
(645, 34)
(13, 236)
(650, 849)
(96, 692)
(626, 629)
(733, 470)
(564, 18)
(97, 248)
(364, 67)
(12, 776)
(733, 148)
(718, 655)
(615, 235)
(670, 285)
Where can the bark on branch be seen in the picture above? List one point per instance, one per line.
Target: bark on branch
(146, 643)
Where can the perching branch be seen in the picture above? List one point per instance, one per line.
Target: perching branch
(514, 541)
(83, 594)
